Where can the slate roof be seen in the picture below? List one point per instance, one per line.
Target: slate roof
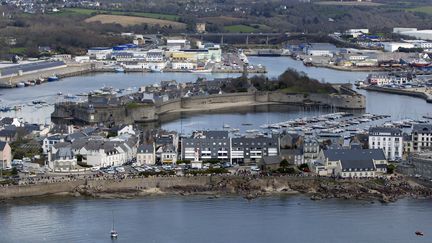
(271, 160)
(2, 145)
(168, 148)
(65, 152)
(55, 137)
(356, 159)
(422, 128)
(6, 121)
(7, 133)
(62, 145)
(145, 148)
(74, 136)
(215, 134)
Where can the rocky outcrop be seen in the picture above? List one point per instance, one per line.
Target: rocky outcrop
(317, 188)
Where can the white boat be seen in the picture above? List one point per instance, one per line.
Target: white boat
(226, 126)
(20, 85)
(201, 71)
(252, 131)
(156, 69)
(113, 232)
(119, 70)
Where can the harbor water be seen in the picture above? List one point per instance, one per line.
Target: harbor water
(399, 107)
(227, 219)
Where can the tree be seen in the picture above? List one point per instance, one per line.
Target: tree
(391, 168)
(304, 167)
(284, 163)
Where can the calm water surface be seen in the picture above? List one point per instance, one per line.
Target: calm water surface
(198, 219)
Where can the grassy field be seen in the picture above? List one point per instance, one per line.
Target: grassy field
(18, 50)
(84, 11)
(240, 28)
(132, 20)
(423, 9)
(223, 20)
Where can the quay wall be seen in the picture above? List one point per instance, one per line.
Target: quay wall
(62, 72)
(38, 189)
(421, 95)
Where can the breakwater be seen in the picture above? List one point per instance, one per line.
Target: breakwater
(61, 72)
(422, 95)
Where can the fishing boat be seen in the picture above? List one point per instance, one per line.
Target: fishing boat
(419, 233)
(119, 70)
(59, 93)
(52, 78)
(428, 116)
(113, 233)
(20, 85)
(69, 96)
(40, 81)
(156, 69)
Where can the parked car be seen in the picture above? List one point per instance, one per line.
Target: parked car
(95, 168)
(120, 169)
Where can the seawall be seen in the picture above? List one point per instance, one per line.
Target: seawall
(421, 95)
(61, 72)
(342, 101)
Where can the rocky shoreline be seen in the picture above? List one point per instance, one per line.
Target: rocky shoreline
(381, 190)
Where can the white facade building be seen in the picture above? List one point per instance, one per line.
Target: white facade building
(422, 137)
(48, 142)
(394, 46)
(183, 65)
(100, 53)
(146, 155)
(390, 140)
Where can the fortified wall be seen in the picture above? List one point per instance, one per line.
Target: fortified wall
(209, 102)
(140, 112)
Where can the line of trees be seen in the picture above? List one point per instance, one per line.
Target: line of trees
(290, 81)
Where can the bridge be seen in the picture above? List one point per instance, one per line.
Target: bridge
(241, 35)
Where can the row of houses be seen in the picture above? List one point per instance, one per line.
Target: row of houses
(176, 54)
